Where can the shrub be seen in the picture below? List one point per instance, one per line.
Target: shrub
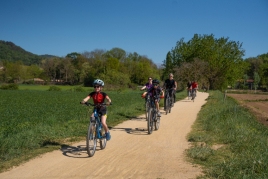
(79, 89)
(12, 86)
(54, 88)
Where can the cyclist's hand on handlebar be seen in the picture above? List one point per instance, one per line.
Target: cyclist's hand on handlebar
(82, 102)
(108, 103)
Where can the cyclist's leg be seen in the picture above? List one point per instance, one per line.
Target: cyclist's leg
(103, 121)
(157, 107)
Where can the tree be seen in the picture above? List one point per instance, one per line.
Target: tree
(223, 57)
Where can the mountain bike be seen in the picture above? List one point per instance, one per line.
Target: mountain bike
(168, 100)
(189, 93)
(153, 121)
(95, 131)
(193, 94)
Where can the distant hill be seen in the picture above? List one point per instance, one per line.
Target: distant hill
(11, 52)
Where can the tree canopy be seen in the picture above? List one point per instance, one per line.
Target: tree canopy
(217, 62)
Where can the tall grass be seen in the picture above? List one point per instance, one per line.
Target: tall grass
(228, 141)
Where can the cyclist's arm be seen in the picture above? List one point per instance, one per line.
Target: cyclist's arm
(109, 100)
(85, 99)
(143, 87)
(175, 86)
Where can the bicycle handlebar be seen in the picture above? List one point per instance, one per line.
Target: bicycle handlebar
(95, 105)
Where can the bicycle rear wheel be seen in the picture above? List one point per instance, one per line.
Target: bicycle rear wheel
(103, 140)
(91, 139)
(150, 121)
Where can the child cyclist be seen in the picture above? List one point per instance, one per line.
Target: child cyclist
(98, 98)
(155, 92)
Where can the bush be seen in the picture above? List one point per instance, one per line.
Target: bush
(12, 86)
(79, 89)
(54, 88)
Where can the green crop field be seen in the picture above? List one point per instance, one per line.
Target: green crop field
(34, 119)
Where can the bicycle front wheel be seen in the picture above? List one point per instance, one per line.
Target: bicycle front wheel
(103, 140)
(157, 123)
(167, 105)
(91, 140)
(150, 121)
(147, 106)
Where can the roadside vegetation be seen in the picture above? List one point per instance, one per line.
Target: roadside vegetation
(227, 141)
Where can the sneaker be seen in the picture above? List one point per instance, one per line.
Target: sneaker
(158, 114)
(108, 136)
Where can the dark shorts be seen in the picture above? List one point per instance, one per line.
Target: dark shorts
(102, 111)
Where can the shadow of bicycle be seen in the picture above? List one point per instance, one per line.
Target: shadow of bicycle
(74, 151)
(136, 131)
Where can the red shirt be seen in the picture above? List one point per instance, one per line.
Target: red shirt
(194, 85)
(98, 97)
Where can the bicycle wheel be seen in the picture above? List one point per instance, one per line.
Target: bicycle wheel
(167, 104)
(169, 110)
(91, 139)
(150, 121)
(194, 94)
(103, 140)
(147, 106)
(157, 123)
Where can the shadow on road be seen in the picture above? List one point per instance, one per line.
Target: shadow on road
(136, 131)
(74, 152)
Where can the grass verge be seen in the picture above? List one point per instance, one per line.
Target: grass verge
(227, 141)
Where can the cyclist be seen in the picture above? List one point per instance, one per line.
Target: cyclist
(171, 85)
(194, 88)
(189, 88)
(98, 98)
(155, 91)
(147, 86)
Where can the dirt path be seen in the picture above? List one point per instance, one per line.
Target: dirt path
(131, 153)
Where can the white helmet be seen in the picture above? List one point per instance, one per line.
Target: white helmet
(98, 82)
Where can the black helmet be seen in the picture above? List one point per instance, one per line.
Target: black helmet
(156, 81)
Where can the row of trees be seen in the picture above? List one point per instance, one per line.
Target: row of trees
(115, 67)
(216, 63)
(213, 62)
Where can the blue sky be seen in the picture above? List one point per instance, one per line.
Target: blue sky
(148, 27)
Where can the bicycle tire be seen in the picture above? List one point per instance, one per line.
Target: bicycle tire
(150, 121)
(147, 106)
(167, 105)
(157, 123)
(103, 140)
(91, 140)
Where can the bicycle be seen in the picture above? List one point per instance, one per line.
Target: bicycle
(153, 121)
(95, 131)
(168, 100)
(189, 93)
(193, 94)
